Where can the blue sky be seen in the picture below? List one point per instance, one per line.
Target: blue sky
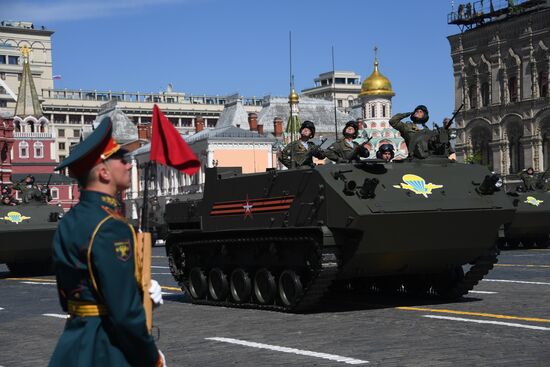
(217, 47)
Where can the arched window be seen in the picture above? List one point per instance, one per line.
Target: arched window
(543, 84)
(513, 89)
(38, 150)
(472, 94)
(485, 97)
(546, 144)
(515, 133)
(23, 149)
(481, 137)
(384, 111)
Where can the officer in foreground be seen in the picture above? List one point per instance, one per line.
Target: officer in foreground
(346, 149)
(421, 141)
(385, 152)
(300, 153)
(95, 265)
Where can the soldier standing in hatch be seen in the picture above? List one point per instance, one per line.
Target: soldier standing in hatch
(410, 132)
(300, 153)
(98, 280)
(385, 152)
(529, 179)
(346, 149)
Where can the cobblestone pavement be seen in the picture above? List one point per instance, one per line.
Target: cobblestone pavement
(372, 331)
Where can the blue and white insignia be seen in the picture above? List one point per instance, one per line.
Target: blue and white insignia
(417, 185)
(123, 250)
(15, 217)
(533, 201)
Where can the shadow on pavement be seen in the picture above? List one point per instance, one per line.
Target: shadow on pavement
(348, 303)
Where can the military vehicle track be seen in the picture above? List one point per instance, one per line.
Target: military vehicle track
(269, 286)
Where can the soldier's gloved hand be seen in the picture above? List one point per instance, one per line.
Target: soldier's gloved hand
(162, 360)
(156, 293)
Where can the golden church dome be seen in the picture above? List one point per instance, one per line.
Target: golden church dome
(293, 97)
(376, 84)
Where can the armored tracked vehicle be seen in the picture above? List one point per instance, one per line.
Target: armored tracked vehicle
(530, 225)
(278, 240)
(26, 234)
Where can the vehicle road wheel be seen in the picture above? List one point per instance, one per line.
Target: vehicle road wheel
(543, 241)
(445, 283)
(265, 287)
(513, 243)
(290, 287)
(240, 286)
(218, 285)
(528, 243)
(197, 283)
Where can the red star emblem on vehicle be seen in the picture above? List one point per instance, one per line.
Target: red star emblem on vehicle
(247, 208)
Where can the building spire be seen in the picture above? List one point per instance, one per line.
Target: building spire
(28, 103)
(375, 57)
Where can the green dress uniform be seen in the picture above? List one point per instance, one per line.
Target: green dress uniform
(97, 273)
(342, 152)
(94, 257)
(295, 154)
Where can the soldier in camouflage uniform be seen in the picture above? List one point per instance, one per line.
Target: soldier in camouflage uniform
(300, 153)
(529, 179)
(422, 142)
(346, 149)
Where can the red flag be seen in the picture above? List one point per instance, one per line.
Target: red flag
(169, 148)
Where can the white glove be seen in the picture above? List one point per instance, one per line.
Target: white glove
(160, 353)
(156, 293)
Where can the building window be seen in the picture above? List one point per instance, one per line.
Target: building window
(473, 96)
(23, 149)
(340, 103)
(384, 111)
(485, 94)
(76, 133)
(38, 150)
(55, 193)
(543, 84)
(61, 133)
(513, 89)
(2, 59)
(61, 158)
(13, 60)
(3, 103)
(372, 111)
(2, 90)
(61, 146)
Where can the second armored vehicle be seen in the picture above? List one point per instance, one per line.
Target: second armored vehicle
(26, 234)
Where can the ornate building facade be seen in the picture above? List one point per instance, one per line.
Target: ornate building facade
(501, 69)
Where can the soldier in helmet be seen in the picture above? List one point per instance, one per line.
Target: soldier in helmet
(300, 153)
(346, 149)
(529, 179)
(421, 142)
(385, 152)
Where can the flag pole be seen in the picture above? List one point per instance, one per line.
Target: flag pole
(143, 247)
